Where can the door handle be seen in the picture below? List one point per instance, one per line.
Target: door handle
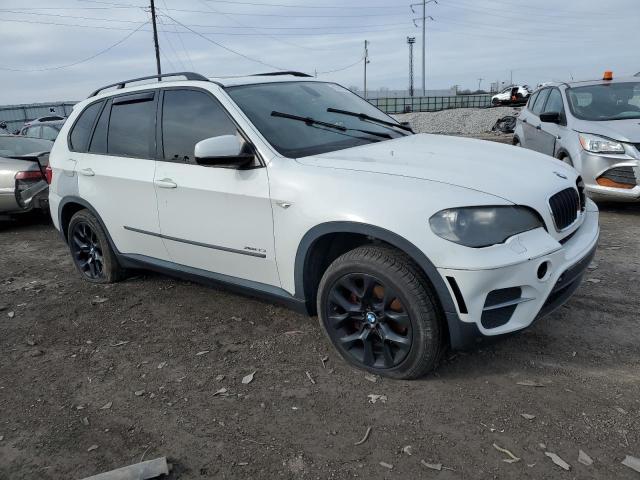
(524, 120)
(166, 183)
(538, 127)
(87, 172)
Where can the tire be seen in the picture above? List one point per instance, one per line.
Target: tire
(379, 312)
(516, 142)
(495, 102)
(90, 249)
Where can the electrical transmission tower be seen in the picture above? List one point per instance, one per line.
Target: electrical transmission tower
(411, 41)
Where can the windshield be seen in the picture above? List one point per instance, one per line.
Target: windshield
(14, 146)
(293, 138)
(607, 101)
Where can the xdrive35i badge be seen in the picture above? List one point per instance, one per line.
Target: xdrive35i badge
(561, 175)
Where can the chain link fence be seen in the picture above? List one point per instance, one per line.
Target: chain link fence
(429, 104)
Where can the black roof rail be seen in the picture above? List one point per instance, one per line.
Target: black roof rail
(187, 75)
(287, 72)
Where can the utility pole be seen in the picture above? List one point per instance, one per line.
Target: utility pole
(424, 47)
(479, 82)
(411, 41)
(366, 60)
(425, 17)
(155, 38)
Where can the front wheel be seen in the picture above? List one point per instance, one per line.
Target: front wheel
(91, 252)
(379, 312)
(495, 102)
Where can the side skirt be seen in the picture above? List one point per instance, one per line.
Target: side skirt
(237, 285)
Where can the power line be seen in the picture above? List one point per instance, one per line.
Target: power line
(124, 29)
(282, 5)
(343, 68)
(253, 14)
(15, 11)
(77, 17)
(166, 37)
(253, 28)
(125, 38)
(184, 49)
(235, 52)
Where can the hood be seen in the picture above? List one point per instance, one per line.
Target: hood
(515, 174)
(621, 130)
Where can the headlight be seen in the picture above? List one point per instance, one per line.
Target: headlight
(483, 226)
(596, 144)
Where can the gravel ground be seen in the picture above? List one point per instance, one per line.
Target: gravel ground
(458, 121)
(95, 377)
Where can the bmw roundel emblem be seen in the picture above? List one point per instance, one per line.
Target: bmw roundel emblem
(561, 175)
(371, 317)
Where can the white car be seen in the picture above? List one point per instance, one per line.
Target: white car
(300, 191)
(512, 95)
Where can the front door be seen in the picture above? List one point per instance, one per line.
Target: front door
(553, 131)
(535, 137)
(212, 218)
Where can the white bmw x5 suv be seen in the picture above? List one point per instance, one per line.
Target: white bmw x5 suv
(301, 191)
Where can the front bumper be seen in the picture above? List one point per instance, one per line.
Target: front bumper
(496, 301)
(594, 165)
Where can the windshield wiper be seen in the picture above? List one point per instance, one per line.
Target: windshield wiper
(312, 121)
(365, 117)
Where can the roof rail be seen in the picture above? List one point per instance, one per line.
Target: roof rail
(287, 72)
(187, 75)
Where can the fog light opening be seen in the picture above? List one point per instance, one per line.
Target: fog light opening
(543, 270)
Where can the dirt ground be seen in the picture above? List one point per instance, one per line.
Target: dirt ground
(137, 370)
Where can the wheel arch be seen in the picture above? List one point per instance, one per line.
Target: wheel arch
(311, 248)
(69, 206)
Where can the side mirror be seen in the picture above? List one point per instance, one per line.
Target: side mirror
(227, 151)
(551, 117)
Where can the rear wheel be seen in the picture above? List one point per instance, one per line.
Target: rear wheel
(379, 313)
(91, 252)
(495, 102)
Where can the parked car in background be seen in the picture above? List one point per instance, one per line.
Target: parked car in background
(23, 170)
(512, 95)
(593, 126)
(45, 127)
(301, 191)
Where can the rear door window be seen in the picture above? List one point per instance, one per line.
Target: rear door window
(189, 116)
(539, 103)
(81, 131)
(132, 126)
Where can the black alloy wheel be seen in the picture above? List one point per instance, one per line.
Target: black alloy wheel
(87, 251)
(367, 320)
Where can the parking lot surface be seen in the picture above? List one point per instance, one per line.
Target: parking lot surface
(98, 377)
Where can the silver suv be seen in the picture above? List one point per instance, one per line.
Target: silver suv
(593, 126)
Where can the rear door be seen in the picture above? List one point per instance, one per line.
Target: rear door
(212, 218)
(115, 168)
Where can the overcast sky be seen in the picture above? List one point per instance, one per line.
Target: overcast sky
(539, 40)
